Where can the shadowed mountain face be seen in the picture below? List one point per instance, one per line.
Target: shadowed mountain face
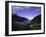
(36, 23)
(21, 23)
(37, 19)
(18, 18)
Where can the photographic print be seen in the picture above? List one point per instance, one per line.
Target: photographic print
(24, 18)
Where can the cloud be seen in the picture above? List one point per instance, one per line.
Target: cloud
(19, 8)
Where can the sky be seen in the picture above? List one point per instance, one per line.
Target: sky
(26, 11)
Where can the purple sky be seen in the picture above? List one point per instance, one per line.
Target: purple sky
(26, 11)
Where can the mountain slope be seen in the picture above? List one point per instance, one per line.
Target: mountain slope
(36, 23)
(19, 23)
(18, 18)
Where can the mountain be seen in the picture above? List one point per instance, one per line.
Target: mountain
(37, 19)
(36, 23)
(21, 23)
(18, 18)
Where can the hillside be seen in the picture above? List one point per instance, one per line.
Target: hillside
(36, 23)
(21, 23)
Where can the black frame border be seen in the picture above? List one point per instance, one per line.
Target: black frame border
(7, 17)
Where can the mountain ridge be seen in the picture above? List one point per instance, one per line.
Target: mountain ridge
(18, 18)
